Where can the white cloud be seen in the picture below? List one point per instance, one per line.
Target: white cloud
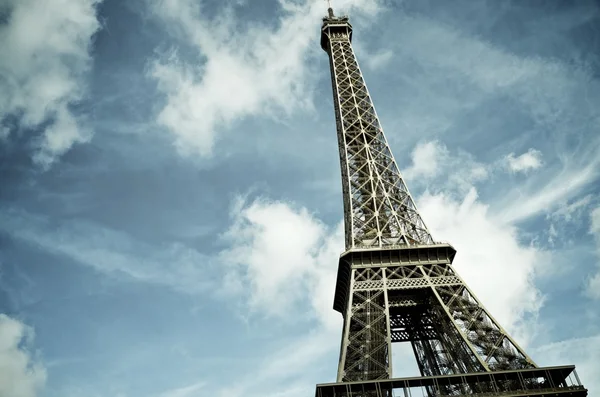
(426, 158)
(49, 45)
(530, 160)
(21, 374)
(593, 287)
(490, 258)
(281, 254)
(433, 164)
(582, 352)
(260, 70)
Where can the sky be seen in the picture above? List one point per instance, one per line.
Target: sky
(170, 191)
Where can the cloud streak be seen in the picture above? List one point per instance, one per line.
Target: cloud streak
(112, 253)
(186, 391)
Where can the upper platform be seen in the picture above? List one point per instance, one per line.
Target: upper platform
(333, 24)
(439, 254)
(400, 255)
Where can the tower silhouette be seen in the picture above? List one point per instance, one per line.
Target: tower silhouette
(396, 284)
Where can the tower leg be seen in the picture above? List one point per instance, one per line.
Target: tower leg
(366, 340)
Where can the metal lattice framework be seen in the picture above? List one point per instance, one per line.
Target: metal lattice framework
(378, 209)
(395, 284)
(419, 298)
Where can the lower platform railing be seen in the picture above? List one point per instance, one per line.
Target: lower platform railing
(549, 381)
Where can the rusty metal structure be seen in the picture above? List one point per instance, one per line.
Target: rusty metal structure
(396, 284)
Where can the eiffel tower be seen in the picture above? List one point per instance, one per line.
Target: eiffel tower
(395, 283)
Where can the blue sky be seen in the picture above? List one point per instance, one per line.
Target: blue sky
(170, 196)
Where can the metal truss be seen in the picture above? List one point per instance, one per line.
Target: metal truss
(378, 209)
(425, 304)
(395, 284)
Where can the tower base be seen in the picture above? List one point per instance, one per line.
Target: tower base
(548, 381)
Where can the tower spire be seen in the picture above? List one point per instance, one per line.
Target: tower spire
(329, 9)
(395, 284)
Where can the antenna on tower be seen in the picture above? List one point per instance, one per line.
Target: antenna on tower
(329, 9)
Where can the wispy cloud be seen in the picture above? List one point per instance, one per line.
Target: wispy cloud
(546, 87)
(556, 100)
(528, 161)
(434, 166)
(185, 391)
(22, 374)
(593, 287)
(260, 70)
(567, 184)
(572, 211)
(289, 371)
(568, 215)
(583, 352)
(376, 60)
(49, 46)
(112, 252)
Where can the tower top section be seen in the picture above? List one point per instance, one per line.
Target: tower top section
(333, 26)
(379, 212)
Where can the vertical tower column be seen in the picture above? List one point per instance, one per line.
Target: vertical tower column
(366, 340)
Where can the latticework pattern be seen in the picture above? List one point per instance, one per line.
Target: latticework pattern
(429, 306)
(378, 209)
